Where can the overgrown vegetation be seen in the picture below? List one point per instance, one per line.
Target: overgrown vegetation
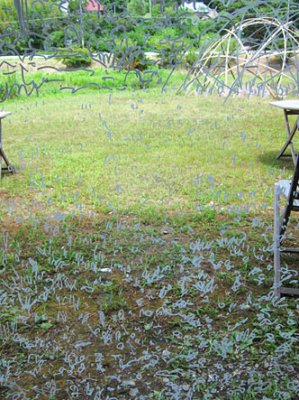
(136, 258)
(17, 84)
(77, 58)
(167, 28)
(136, 234)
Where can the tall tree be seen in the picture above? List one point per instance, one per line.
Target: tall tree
(21, 6)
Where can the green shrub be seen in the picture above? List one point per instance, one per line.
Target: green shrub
(190, 58)
(170, 45)
(138, 36)
(96, 44)
(127, 24)
(137, 7)
(156, 10)
(8, 14)
(57, 38)
(170, 10)
(129, 55)
(77, 57)
(231, 45)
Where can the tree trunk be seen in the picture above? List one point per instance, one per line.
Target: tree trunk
(19, 7)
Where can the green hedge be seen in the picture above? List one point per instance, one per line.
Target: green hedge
(78, 57)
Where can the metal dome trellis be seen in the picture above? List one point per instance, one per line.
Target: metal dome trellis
(228, 61)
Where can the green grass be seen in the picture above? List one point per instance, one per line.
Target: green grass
(136, 151)
(40, 79)
(139, 227)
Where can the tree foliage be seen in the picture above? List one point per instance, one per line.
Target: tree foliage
(47, 27)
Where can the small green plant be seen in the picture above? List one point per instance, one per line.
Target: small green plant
(57, 38)
(8, 87)
(77, 58)
(169, 44)
(114, 296)
(158, 395)
(190, 58)
(129, 55)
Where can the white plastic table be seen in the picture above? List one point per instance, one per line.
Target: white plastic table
(3, 114)
(289, 107)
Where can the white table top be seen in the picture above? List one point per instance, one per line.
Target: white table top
(286, 104)
(4, 114)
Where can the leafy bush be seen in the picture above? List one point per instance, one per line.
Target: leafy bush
(170, 10)
(156, 10)
(170, 45)
(57, 39)
(232, 45)
(127, 23)
(162, 36)
(8, 14)
(138, 35)
(78, 57)
(190, 58)
(96, 44)
(129, 55)
(196, 29)
(137, 7)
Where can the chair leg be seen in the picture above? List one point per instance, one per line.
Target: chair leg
(8, 167)
(276, 240)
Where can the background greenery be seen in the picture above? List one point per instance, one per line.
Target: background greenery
(166, 29)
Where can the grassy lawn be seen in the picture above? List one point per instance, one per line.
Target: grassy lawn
(136, 256)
